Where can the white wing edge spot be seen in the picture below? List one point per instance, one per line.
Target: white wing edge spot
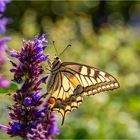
(112, 85)
(102, 73)
(90, 92)
(92, 72)
(99, 88)
(83, 70)
(116, 85)
(107, 86)
(94, 91)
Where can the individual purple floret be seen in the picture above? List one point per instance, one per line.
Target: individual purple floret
(4, 83)
(3, 5)
(3, 49)
(29, 119)
(3, 23)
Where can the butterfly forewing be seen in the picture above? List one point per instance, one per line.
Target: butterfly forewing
(91, 79)
(70, 82)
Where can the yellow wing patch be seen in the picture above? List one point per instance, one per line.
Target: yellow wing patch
(74, 81)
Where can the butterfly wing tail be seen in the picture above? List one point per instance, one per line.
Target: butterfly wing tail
(63, 118)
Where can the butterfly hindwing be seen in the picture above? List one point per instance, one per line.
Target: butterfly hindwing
(62, 92)
(71, 82)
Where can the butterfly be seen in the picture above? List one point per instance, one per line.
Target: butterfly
(70, 82)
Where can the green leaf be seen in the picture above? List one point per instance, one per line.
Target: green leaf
(13, 87)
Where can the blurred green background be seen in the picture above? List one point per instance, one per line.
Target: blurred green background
(103, 34)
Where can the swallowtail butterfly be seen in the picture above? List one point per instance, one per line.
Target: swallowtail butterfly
(69, 82)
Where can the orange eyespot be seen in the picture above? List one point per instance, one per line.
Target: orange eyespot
(51, 100)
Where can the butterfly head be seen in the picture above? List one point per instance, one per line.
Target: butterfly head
(56, 62)
(56, 58)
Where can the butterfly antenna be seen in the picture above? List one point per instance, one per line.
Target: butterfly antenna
(55, 47)
(64, 50)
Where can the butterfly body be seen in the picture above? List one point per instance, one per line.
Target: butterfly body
(69, 82)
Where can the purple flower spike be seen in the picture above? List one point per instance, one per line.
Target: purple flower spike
(4, 83)
(31, 119)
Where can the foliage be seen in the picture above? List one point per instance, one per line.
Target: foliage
(13, 87)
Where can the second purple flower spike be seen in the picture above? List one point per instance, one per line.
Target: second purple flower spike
(28, 120)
